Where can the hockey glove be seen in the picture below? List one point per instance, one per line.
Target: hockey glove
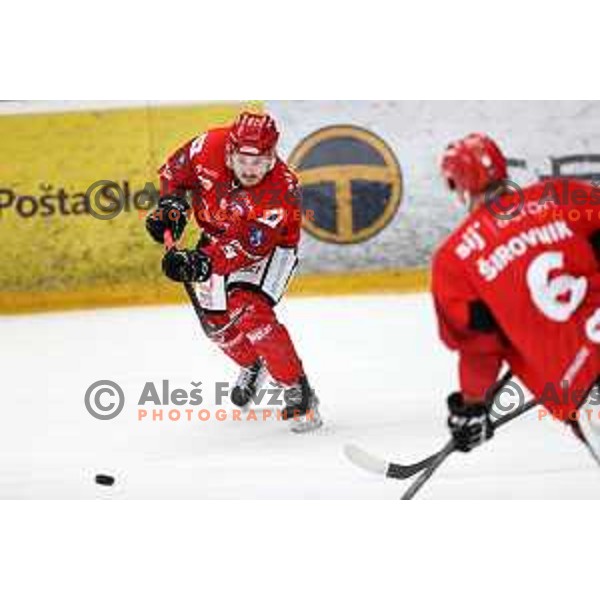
(186, 265)
(469, 424)
(171, 214)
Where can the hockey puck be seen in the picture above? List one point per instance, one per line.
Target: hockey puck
(105, 479)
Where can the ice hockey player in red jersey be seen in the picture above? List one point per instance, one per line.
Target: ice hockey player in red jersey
(518, 283)
(246, 203)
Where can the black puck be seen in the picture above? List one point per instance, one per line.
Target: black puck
(105, 479)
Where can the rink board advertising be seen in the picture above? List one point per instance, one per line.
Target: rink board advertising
(369, 172)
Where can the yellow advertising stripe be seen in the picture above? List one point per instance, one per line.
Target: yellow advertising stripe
(361, 282)
(165, 292)
(121, 295)
(48, 161)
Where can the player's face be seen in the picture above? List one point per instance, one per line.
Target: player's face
(250, 170)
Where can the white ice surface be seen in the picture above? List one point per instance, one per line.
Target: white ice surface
(375, 362)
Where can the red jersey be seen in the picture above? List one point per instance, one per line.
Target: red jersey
(243, 224)
(525, 290)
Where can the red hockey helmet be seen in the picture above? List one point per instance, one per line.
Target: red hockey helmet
(253, 133)
(472, 164)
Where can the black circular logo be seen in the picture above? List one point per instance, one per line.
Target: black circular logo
(351, 181)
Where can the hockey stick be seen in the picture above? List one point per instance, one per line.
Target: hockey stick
(437, 461)
(379, 466)
(363, 459)
(450, 447)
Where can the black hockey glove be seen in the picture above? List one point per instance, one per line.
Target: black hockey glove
(186, 265)
(171, 214)
(469, 424)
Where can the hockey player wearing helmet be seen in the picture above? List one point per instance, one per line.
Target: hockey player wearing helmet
(517, 282)
(246, 203)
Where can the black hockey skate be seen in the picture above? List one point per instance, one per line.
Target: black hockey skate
(246, 385)
(302, 407)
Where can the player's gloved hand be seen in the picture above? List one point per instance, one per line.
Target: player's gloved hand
(186, 265)
(469, 424)
(170, 214)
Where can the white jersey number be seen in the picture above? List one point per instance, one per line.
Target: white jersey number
(558, 297)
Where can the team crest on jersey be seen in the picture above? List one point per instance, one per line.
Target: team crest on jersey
(350, 180)
(256, 237)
